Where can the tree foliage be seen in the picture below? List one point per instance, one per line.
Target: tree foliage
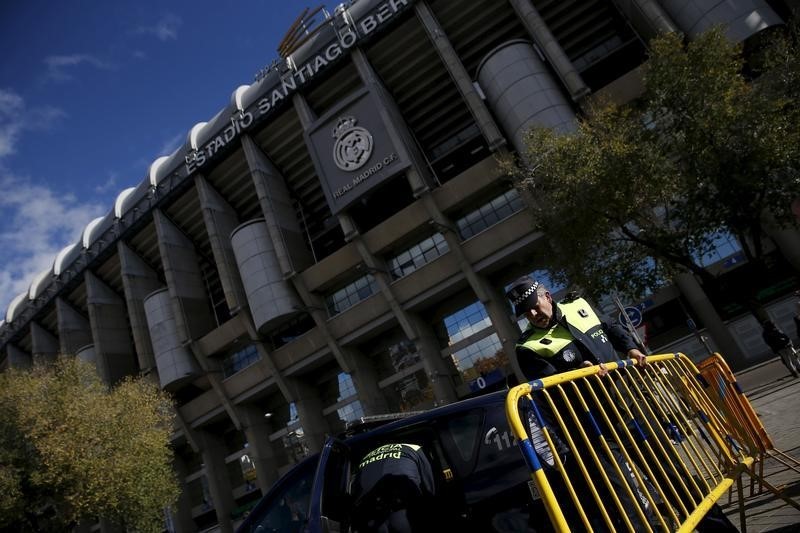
(70, 449)
(638, 193)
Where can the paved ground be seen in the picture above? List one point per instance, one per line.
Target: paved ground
(776, 397)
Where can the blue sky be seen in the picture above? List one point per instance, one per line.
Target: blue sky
(91, 92)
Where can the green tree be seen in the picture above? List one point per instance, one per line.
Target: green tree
(71, 449)
(638, 193)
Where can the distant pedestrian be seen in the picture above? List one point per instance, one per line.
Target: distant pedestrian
(780, 343)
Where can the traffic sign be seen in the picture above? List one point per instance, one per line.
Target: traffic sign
(634, 315)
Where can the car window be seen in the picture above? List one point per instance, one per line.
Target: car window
(460, 435)
(287, 510)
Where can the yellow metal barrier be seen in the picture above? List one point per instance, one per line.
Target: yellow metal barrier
(743, 422)
(640, 449)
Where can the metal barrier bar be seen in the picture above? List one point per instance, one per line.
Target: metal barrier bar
(640, 449)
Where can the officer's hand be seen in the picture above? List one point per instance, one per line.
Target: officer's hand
(639, 357)
(603, 370)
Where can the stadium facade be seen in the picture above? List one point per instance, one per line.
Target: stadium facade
(335, 241)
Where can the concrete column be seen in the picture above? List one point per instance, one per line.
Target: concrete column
(271, 299)
(276, 205)
(213, 451)
(182, 515)
(365, 378)
(184, 280)
(221, 220)
(549, 46)
(647, 17)
(495, 303)
(45, 346)
(741, 18)
(267, 458)
(309, 409)
(113, 344)
(440, 371)
(396, 128)
(693, 292)
(138, 281)
(174, 361)
(74, 331)
(17, 358)
(483, 118)
(522, 92)
(786, 238)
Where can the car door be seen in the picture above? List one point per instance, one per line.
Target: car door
(330, 500)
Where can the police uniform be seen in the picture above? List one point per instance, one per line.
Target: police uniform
(575, 335)
(391, 489)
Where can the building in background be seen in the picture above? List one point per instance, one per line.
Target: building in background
(334, 243)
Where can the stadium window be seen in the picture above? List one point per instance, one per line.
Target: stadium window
(466, 322)
(417, 255)
(489, 214)
(239, 360)
(349, 295)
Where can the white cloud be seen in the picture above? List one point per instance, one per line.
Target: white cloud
(37, 222)
(58, 66)
(16, 117)
(109, 185)
(165, 29)
(172, 144)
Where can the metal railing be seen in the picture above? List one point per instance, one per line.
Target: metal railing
(639, 449)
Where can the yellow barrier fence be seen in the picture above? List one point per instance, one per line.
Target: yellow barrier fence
(743, 422)
(639, 449)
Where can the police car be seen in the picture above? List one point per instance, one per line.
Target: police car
(482, 482)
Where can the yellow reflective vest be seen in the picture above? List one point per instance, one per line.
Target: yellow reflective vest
(575, 335)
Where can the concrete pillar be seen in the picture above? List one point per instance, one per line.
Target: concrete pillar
(174, 361)
(267, 458)
(87, 354)
(182, 515)
(493, 301)
(276, 205)
(741, 18)
(647, 17)
(74, 331)
(44, 345)
(483, 118)
(112, 340)
(693, 292)
(138, 281)
(522, 93)
(402, 138)
(786, 238)
(365, 378)
(440, 371)
(549, 46)
(271, 299)
(17, 358)
(193, 314)
(221, 220)
(213, 451)
(309, 406)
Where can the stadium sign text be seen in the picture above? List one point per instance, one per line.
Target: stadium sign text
(293, 79)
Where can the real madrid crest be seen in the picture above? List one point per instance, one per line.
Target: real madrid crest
(353, 144)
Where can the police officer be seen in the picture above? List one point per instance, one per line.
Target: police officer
(392, 489)
(565, 335)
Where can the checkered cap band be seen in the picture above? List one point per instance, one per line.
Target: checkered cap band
(530, 290)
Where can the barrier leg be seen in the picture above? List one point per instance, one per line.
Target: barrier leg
(742, 517)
